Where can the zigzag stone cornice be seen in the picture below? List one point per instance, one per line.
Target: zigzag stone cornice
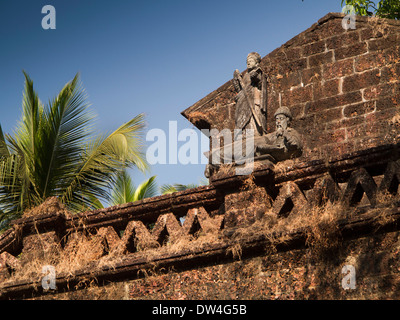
(132, 266)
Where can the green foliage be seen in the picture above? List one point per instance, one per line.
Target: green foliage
(384, 9)
(389, 9)
(124, 190)
(54, 152)
(171, 188)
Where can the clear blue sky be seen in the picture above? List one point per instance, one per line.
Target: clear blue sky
(157, 57)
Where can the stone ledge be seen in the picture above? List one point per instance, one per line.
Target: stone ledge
(301, 171)
(361, 223)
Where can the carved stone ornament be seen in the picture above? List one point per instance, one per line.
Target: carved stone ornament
(251, 124)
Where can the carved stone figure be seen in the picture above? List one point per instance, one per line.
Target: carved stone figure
(251, 113)
(251, 98)
(284, 143)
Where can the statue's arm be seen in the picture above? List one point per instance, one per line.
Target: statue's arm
(266, 145)
(268, 148)
(236, 82)
(256, 78)
(293, 140)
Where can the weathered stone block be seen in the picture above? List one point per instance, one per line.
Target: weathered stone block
(381, 90)
(388, 103)
(40, 246)
(320, 59)
(296, 96)
(369, 61)
(342, 40)
(382, 43)
(246, 207)
(334, 136)
(359, 109)
(325, 89)
(311, 75)
(328, 115)
(362, 80)
(293, 53)
(333, 102)
(287, 81)
(356, 131)
(314, 48)
(338, 69)
(351, 51)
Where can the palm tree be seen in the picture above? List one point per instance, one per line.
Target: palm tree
(124, 190)
(54, 152)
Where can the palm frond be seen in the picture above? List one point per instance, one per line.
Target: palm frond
(124, 190)
(18, 190)
(67, 127)
(102, 158)
(171, 188)
(4, 152)
(146, 189)
(28, 129)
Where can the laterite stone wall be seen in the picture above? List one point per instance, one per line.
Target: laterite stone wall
(342, 87)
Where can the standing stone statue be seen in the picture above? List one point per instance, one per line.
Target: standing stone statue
(251, 99)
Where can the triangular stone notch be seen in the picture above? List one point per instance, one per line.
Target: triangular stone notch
(167, 227)
(8, 264)
(199, 219)
(289, 200)
(325, 190)
(112, 240)
(391, 178)
(136, 237)
(360, 182)
(192, 225)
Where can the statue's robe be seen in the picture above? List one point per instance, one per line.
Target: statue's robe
(255, 87)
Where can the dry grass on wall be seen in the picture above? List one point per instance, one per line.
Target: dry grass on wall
(319, 224)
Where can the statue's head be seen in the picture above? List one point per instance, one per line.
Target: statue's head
(253, 60)
(283, 117)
